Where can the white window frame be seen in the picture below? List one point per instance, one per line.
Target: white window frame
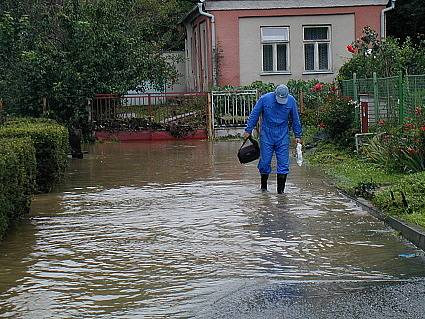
(316, 49)
(274, 44)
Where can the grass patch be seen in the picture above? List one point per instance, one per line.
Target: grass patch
(405, 198)
(349, 172)
(400, 195)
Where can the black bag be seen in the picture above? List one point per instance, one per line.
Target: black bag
(249, 153)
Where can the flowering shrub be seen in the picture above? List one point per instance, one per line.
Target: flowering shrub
(400, 148)
(314, 95)
(387, 57)
(336, 119)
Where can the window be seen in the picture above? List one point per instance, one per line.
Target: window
(317, 49)
(274, 46)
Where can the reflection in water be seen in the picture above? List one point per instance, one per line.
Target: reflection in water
(162, 229)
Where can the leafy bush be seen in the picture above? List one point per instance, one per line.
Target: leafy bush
(17, 179)
(314, 95)
(262, 87)
(336, 118)
(51, 144)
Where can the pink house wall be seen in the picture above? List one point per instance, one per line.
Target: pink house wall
(227, 31)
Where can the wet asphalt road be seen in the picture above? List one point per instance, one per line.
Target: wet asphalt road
(320, 300)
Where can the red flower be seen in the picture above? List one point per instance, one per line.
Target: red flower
(423, 128)
(317, 87)
(351, 49)
(381, 122)
(418, 110)
(322, 125)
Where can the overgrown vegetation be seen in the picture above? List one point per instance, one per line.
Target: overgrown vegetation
(17, 179)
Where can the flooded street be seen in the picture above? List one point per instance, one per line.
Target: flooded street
(180, 229)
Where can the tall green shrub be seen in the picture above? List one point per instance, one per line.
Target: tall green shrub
(17, 179)
(51, 145)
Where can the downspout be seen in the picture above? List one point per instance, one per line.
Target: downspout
(213, 41)
(383, 19)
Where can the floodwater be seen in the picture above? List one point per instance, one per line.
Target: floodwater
(166, 230)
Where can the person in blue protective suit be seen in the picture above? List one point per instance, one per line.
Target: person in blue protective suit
(276, 108)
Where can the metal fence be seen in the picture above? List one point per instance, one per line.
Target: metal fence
(161, 108)
(232, 108)
(392, 99)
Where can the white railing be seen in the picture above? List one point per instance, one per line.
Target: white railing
(232, 108)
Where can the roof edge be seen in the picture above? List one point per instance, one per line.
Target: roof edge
(188, 15)
(287, 4)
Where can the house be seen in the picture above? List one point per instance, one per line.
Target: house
(237, 42)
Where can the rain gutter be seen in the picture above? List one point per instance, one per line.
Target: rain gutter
(213, 40)
(383, 19)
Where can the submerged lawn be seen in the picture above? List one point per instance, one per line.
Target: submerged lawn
(401, 195)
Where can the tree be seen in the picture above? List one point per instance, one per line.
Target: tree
(407, 19)
(67, 53)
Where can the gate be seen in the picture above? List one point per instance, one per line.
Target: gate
(231, 109)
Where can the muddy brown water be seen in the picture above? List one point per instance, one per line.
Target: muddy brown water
(144, 230)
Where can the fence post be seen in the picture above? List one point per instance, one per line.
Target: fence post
(357, 109)
(375, 97)
(401, 97)
(302, 101)
(149, 107)
(210, 124)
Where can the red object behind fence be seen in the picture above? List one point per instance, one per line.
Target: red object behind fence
(365, 117)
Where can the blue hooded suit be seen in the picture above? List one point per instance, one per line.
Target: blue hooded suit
(274, 134)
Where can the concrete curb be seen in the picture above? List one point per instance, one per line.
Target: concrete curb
(413, 233)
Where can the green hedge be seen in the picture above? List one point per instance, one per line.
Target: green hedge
(51, 144)
(17, 179)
